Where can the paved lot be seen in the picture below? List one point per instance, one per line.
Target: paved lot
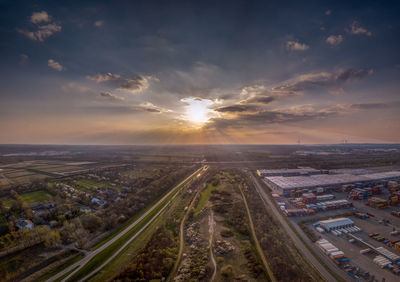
(300, 245)
(352, 250)
(382, 222)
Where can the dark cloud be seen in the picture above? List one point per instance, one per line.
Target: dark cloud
(124, 109)
(265, 117)
(135, 84)
(332, 81)
(375, 106)
(236, 108)
(110, 96)
(261, 99)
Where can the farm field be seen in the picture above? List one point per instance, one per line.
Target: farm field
(31, 197)
(28, 171)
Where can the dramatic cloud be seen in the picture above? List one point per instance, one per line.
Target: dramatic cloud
(332, 81)
(253, 89)
(135, 84)
(104, 77)
(263, 118)
(260, 99)
(149, 107)
(111, 97)
(42, 31)
(355, 28)
(335, 39)
(238, 108)
(296, 46)
(375, 106)
(119, 109)
(39, 17)
(98, 23)
(55, 65)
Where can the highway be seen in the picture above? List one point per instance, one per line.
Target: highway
(299, 244)
(74, 268)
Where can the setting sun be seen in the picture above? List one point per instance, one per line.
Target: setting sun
(197, 110)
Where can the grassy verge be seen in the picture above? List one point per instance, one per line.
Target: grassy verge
(205, 195)
(60, 267)
(65, 275)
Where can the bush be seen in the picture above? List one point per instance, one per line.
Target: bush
(226, 233)
(227, 271)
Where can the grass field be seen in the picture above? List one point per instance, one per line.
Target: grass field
(205, 195)
(31, 197)
(90, 183)
(54, 271)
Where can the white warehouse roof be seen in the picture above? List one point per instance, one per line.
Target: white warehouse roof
(294, 182)
(336, 222)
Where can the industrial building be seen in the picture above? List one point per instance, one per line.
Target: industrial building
(283, 185)
(336, 223)
(288, 171)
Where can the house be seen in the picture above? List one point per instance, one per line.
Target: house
(98, 202)
(25, 223)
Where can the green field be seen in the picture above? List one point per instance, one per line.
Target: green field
(31, 197)
(205, 195)
(90, 183)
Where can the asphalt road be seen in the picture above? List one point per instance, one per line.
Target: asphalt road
(78, 265)
(299, 244)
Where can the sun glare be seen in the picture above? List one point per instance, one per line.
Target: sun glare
(197, 110)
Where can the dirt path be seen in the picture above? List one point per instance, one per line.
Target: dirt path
(211, 224)
(257, 243)
(181, 238)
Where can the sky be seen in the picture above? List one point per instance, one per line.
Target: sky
(199, 72)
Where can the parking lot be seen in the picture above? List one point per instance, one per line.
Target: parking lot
(377, 224)
(380, 221)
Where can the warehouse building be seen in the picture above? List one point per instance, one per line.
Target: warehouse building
(288, 171)
(336, 223)
(284, 185)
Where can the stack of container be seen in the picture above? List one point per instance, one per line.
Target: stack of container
(326, 197)
(394, 199)
(347, 187)
(360, 194)
(377, 203)
(299, 212)
(381, 261)
(330, 250)
(309, 198)
(388, 254)
(377, 189)
(319, 190)
(326, 246)
(332, 205)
